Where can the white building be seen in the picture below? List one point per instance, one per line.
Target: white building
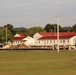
(50, 38)
(23, 39)
(17, 39)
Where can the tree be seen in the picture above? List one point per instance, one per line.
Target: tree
(51, 27)
(73, 28)
(48, 27)
(9, 26)
(31, 31)
(3, 35)
(19, 30)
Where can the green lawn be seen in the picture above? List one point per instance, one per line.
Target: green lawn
(38, 63)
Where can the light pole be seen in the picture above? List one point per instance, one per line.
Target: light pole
(57, 34)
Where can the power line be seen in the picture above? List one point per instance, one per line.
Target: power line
(69, 18)
(50, 18)
(42, 21)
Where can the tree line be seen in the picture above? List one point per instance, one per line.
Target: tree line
(11, 31)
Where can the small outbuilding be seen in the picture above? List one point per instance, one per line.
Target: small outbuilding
(23, 39)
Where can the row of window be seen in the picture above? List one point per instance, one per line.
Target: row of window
(18, 42)
(55, 41)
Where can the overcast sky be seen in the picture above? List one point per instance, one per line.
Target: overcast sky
(29, 13)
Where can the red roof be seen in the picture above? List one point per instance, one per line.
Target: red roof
(55, 33)
(55, 37)
(22, 36)
(46, 33)
(18, 38)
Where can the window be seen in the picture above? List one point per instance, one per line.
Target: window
(54, 41)
(63, 41)
(39, 41)
(44, 42)
(50, 41)
(18, 42)
(68, 41)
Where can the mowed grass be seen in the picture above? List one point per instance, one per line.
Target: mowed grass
(38, 63)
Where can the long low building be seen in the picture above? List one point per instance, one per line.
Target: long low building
(50, 39)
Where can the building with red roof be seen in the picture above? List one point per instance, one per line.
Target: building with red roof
(22, 38)
(50, 38)
(17, 39)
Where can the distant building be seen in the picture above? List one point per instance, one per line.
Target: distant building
(50, 38)
(18, 39)
(22, 39)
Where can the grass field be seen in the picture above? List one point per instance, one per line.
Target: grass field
(38, 63)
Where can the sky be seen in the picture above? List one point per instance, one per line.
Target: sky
(29, 13)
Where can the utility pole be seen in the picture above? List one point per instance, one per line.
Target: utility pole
(57, 34)
(6, 34)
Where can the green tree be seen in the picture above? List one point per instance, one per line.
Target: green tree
(19, 30)
(48, 27)
(51, 27)
(9, 26)
(73, 28)
(31, 31)
(3, 35)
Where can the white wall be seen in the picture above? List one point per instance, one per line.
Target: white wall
(73, 40)
(37, 36)
(29, 41)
